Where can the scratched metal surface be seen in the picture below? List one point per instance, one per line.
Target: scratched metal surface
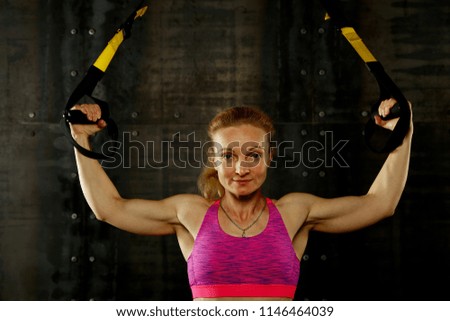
(186, 61)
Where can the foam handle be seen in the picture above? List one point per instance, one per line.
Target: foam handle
(77, 117)
(394, 113)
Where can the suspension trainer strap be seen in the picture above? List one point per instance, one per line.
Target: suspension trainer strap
(378, 139)
(89, 82)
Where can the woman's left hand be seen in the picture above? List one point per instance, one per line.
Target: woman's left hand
(383, 110)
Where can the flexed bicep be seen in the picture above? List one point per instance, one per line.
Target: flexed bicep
(346, 214)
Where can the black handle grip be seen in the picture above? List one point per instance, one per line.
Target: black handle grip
(394, 113)
(77, 117)
(379, 139)
(73, 116)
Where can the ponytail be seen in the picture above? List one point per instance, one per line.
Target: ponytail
(209, 185)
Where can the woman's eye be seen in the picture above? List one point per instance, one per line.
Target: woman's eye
(227, 156)
(254, 156)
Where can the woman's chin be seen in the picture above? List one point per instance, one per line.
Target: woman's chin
(242, 193)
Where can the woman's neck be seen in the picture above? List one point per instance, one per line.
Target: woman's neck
(243, 207)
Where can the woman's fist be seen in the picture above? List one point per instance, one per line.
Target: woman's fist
(94, 114)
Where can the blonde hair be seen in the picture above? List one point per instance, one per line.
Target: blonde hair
(208, 181)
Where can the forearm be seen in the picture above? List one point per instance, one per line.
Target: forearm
(98, 189)
(388, 186)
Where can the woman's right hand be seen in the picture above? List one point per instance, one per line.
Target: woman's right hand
(93, 113)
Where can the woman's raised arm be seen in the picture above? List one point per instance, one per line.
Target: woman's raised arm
(354, 212)
(132, 215)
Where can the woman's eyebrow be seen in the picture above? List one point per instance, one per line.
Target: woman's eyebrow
(254, 147)
(221, 151)
(244, 147)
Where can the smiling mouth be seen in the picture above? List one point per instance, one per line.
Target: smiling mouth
(242, 181)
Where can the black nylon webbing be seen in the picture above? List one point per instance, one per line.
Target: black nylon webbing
(89, 82)
(377, 138)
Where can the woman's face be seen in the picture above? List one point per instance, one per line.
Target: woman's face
(241, 158)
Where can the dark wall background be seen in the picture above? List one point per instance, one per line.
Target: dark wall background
(186, 61)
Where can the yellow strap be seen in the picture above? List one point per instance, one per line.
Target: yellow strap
(108, 53)
(140, 12)
(357, 43)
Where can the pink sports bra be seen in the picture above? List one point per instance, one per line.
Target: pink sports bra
(222, 265)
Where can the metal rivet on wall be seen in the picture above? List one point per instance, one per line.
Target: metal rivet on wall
(73, 73)
(305, 174)
(91, 259)
(321, 114)
(91, 31)
(306, 257)
(31, 114)
(322, 72)
(303, 31)
(134, 133)
(303, 72)
(134, 114)
(365, 113)
(74, 216)
(73, 31)
(177, 115)
(321, 30)
(304, 132)
(322, 133)
(73, 175)
(73, 259)
(323, 257)
(322, 174)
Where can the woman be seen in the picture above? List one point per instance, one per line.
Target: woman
(238, 244)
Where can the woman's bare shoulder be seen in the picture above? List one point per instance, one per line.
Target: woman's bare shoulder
(189, 200)
(295, 199)
(294, 209)
(191, 210)
(189, 206)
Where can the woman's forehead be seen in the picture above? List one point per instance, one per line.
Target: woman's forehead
(241, 135)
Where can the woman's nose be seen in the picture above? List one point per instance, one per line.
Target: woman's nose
(241, 168)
